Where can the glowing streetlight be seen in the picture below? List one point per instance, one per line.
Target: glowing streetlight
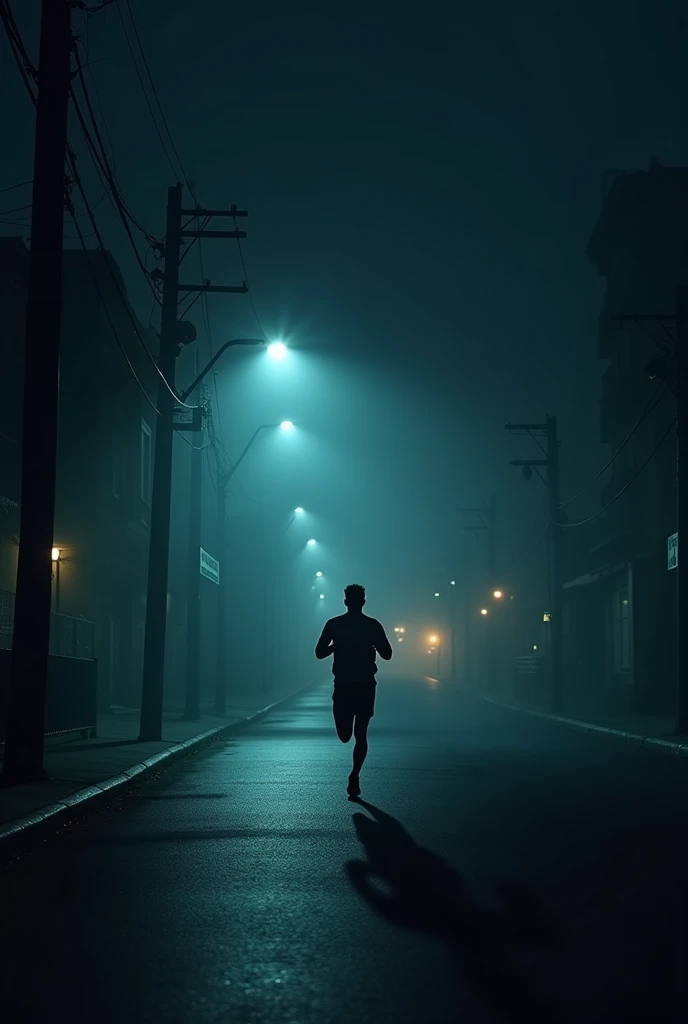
(483, 611)
(397, 629)
(400, 639)
(322, 597)
(497, 594)
(318, 574)
(402, 629)
(436, 594)
(286, 426)
(311, 542)
(433, 639)
(278, 351)
(452, 583)
(298, 511)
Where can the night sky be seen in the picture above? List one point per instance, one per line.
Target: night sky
(421, 189)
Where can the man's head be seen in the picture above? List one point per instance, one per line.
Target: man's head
(354, 597)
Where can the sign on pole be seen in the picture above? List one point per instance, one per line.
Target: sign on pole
(672, 551)
(210, 567)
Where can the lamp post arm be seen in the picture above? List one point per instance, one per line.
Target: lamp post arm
(235, 465)
(223, 348)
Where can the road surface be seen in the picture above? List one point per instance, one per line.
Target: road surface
(498, 868)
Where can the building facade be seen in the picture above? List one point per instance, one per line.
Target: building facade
(620, 614)
(105, 457)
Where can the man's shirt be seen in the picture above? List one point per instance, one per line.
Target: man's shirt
(356, 639)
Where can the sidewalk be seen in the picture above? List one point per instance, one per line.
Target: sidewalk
(655, 732)
(84, 772)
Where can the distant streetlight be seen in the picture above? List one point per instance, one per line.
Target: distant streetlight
(55, 556)
(278, 351)
(498, 594)
(318, 574)
(436, 594)
(298, 511)
(322, 597)
(397, 629)
(400, 639)
(286, 426)
(483, 611)
(452, 583)
(402, 629)
(433, 639)
(311, 543)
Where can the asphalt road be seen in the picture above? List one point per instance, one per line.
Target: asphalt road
(498, 868)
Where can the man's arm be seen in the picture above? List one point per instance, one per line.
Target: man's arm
(382, 644)
(324, 646)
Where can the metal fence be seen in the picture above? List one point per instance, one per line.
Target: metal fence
(70, 636)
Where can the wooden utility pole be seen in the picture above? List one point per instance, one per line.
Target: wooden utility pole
(171, 340)
(23, 761)
(548, 432)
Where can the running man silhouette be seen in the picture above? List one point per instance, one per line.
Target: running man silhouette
(354, 639)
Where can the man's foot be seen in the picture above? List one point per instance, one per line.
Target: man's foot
(354, 787)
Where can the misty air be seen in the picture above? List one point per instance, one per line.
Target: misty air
(343, 664)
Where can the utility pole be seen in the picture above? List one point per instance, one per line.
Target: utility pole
(492, 569)
(192, 709)
(488, 524)
(681, 359)
(172, 338)
(23, 761)
(548, 432)
(555, 539)
(221, 623)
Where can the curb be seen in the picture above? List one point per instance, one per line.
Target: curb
(674, 747)
(52, 815)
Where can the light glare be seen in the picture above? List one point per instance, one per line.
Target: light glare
(277, 351)
(311, 542)
(286, 426)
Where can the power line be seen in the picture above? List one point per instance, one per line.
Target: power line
(102, 160)
(19, 184)
(196, 447)
(109, 318)
(248, 285)
(623, 490)
(15, 209)
(160, 105)
(650, 406)
(143, 88)
(125, 304)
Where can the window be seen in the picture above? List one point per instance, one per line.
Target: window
(146, 463)
(622, 631)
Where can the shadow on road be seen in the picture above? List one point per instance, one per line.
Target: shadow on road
(428, 895)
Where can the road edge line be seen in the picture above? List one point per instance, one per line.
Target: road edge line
(51, 816)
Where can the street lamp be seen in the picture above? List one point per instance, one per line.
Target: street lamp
(286, 426)
(436, 594)
(311, 543)
(278, 351)
(318, 574)
(322, 597)
(497, 594)
(298, 511)
(483, 611)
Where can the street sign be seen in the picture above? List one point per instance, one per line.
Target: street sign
(188, 419)
(672, 551)
(210, 567)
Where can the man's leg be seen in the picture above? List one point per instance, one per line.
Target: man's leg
(361, 742)
(343, 722)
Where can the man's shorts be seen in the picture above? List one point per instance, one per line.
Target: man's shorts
(354, 698)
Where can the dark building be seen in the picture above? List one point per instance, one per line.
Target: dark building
(105, 457)
(620, 615)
